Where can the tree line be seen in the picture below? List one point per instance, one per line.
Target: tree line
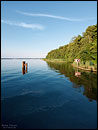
(82, 47)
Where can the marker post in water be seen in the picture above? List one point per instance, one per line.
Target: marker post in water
(24, 67)
(23, 64)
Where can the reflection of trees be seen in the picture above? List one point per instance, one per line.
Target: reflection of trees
(87, 80)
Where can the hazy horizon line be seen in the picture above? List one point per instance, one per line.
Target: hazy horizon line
(20, 58)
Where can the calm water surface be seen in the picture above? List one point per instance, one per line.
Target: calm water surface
(47, 96)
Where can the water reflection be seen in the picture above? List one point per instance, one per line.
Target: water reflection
(24, 71)
(77, 73)
(82, 81)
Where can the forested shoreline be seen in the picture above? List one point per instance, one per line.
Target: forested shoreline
(81, 47)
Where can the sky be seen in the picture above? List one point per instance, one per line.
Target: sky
(30, 29)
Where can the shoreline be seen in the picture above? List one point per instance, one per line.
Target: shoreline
(84, 68)
(54, 60)
(62, 61)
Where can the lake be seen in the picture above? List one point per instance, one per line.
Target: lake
(47, 96)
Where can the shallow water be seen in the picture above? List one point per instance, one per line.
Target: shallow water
(47, 96)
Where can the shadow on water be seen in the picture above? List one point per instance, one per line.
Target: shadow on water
(86, 80)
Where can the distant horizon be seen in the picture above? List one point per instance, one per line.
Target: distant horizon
(21, 58)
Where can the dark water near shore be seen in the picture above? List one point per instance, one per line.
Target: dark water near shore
(47, 96)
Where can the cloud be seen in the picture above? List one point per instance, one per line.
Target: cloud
(53, 16)
(24, 25)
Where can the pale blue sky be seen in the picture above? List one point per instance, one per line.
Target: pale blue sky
(33, 28)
